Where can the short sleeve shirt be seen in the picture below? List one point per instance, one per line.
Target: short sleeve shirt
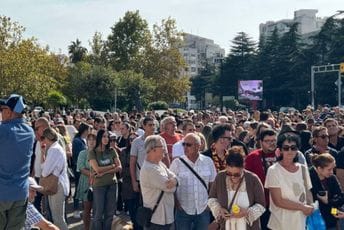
(105, 158)
(292, 188)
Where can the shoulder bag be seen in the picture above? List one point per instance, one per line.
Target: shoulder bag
(215, 225)
(49, 184)
(144, 215)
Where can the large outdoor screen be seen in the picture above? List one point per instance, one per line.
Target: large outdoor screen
(250, 90)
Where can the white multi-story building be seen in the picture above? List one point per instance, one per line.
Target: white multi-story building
(308, 24)
(198, 51)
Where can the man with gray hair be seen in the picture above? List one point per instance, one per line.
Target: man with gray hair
(195, 173)
(155, 177)
(168, 132)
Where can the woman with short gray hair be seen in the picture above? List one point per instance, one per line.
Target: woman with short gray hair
(155, 177)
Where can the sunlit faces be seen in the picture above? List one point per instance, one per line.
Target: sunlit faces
(149, 127)
(326, 171)
(160, 150)
(91, 142)
(322, 138)
(234, 173)
(289, 149)
(269, 143)
(332, 128)
(190, 129)
(226, 139)
(124, 130)
(171, 126)
(105, 138)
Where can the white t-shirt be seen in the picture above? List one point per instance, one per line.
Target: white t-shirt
(178, 149)
(292, 188)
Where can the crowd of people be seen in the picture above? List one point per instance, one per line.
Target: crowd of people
(196, 170)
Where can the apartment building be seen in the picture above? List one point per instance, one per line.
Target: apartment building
(198, 52)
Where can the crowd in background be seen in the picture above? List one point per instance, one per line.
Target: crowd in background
(226, 170)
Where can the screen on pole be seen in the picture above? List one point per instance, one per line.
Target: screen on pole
(250, 90)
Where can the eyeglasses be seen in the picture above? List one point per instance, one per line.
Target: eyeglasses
(324, 136)
(198, 126)
(289, 147)
(185, 144)
(269, 141)
(227, 138)
(151, 124)
(233, 174)
(117, 122)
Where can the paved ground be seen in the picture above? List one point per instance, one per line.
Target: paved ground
(77, 224)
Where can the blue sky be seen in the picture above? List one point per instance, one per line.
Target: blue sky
(58, 22)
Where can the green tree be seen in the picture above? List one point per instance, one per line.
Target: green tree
(56, 99)
(134, 90)
(91, 83)
(76, 52)
(238, 65)
(10, 32)
(128, 42)
(98, 53)
(30, 70)
(164, 64)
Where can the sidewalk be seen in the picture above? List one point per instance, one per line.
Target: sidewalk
(122, 222)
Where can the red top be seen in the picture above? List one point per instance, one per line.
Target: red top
(258, 162)
(170, 141)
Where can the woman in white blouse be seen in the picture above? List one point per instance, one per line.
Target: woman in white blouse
(55, 162)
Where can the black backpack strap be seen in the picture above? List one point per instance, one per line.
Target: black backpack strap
(194, 172)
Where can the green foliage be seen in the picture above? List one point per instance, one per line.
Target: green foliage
(94, 84)
(232, 104)
(10, 32)
(128, 42)
(134, 90)
(157, 105)
(56, 99)
(25, 67)
(77, 52)
(164, 64)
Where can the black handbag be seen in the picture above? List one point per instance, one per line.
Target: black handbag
(144, 215)
(90, 194)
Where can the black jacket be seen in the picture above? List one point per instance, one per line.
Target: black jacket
(335, 196)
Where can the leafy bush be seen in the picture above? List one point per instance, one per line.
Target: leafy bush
(155, 105)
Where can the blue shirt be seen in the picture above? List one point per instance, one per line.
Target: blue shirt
(16, 142)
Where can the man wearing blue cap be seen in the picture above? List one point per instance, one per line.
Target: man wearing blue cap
(16, 141)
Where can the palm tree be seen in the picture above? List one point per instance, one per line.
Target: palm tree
(76, 52)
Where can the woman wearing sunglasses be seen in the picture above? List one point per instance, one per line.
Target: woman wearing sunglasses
(289, 191)
(236, 198)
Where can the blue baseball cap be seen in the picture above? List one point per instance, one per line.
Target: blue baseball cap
(15, 102)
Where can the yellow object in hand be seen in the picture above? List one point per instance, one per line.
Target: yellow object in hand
(334, 211)
(235, 209)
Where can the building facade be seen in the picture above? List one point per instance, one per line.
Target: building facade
(199, 52)
(308, 25)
